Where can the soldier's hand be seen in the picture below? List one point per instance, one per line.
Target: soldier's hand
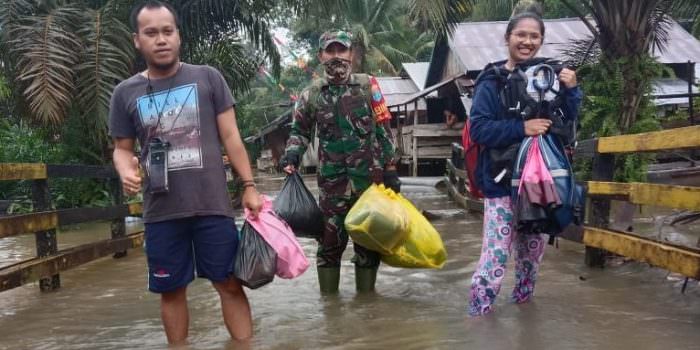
(289, 162)
(391, 180)
(131, 179)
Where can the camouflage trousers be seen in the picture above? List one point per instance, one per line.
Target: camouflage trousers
(338, 192)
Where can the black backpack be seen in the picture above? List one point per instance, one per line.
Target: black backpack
(518, 100)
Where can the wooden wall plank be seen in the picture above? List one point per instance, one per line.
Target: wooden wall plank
(604, 188)
(677, 197)
(34, 269)
(41, 221)
(81, 171)
(135, 209)
(27, 223)
(22, 171)
(81, 215)
(688, 137)
(683, 260)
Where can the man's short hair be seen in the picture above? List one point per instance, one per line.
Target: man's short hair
(150, 4)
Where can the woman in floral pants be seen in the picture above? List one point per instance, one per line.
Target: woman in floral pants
(499, 237)
(494, 126)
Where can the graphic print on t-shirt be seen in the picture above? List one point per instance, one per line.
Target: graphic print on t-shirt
(179, 124)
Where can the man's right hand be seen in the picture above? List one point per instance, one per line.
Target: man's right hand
(289, 162)
(131, 178)
(535, 127)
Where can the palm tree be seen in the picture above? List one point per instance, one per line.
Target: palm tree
(64, 57)
(384, 36)
(625, 31)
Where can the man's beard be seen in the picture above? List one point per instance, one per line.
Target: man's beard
(337, 70)
(164, 66)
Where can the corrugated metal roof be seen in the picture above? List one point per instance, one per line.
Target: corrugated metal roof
(412, 97)
(670, 86)
(418, 72)
(396, 85)
(397, 89)
(478, 43)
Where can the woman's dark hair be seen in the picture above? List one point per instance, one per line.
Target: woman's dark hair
(150, 4)
(521, 16)
(525, 9)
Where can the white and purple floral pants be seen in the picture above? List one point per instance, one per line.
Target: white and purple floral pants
(499, 236)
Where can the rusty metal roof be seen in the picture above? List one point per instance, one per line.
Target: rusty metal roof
(478, 43)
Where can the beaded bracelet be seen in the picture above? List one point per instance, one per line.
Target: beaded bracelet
(248, 183)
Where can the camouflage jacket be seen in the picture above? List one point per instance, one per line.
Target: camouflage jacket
(346, 127)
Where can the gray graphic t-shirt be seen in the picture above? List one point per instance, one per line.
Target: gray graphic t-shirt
(188, 104)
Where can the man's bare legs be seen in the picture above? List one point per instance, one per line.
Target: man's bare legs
(175, 316)
(235, 308)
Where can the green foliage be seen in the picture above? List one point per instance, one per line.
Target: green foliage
(385, 33)
(22, 143)
(603, 85)
(501, 10)
(263, 103)
(62, 59)
(5, 92)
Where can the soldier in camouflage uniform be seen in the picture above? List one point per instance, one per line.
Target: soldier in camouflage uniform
(355, 150)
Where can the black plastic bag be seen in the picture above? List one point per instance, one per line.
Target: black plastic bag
(256, 261)
(297, 206)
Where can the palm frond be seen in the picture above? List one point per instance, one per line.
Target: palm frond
(379, 63)
(107, 57)
(47, 52)
(215, 20)
(439, 15)
(378, 13)
(236, 63)
(396, 56)
(10, 12)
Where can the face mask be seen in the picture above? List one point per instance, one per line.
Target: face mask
(337, 70)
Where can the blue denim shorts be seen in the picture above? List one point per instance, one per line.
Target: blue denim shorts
(178, 248)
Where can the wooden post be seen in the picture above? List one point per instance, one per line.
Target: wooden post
(414, 139)
(691, 81)
(414, 145)
(415, 110)
(45, 240)
(399, 136)
(118, 226)
(599, 213)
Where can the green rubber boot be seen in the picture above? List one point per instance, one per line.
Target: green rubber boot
(365, 277)
(328, 279)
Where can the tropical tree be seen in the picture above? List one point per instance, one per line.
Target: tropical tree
(625, 31)
(384, 35)
(65, 56)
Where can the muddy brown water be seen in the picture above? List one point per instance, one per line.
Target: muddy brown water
(105, 304)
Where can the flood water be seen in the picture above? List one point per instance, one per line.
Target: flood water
(105, 304)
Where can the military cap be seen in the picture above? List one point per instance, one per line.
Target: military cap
(341, 37)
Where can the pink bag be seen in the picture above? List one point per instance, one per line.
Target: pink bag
(536, 180)
(291, 261)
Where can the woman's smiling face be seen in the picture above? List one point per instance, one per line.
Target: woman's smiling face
(525, 40)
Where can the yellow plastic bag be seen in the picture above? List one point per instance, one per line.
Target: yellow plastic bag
(423, 248)
(377, 221)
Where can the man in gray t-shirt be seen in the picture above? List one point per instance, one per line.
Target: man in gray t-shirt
(189, 224)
